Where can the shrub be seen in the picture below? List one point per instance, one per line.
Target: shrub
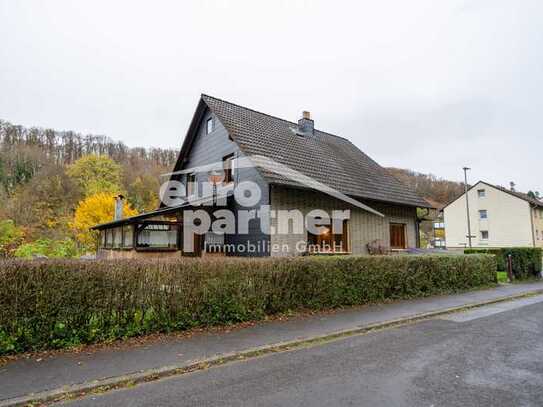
(58, 303)
(527, 261)
(10, 237)
(48, 248)
(501, 264)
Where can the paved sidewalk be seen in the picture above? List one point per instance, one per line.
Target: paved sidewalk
(24, 376)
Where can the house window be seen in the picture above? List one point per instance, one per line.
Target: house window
(439, 243)
(481, 193)
(117, 237)
(209, 125)
(228, 167)
(128, 235)
(330, 240)
(157, 236)
(483, 214)
(484, 234)
(109, 238)
(191, 184)
(537, 234)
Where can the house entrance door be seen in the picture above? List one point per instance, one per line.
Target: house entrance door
(397, 236)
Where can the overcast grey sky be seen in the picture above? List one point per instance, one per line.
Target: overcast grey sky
(427, 85)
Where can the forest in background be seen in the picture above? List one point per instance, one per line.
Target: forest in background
(49, 177)
(429, 186)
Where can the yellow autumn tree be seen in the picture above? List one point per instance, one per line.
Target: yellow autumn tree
(93, 210)
(96, 173)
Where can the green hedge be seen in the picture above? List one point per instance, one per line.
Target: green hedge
(58, 303)
(527, 261)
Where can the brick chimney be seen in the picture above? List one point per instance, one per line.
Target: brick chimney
(512, 186)
(306, 126)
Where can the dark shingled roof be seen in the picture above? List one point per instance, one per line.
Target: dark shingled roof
(327, 158)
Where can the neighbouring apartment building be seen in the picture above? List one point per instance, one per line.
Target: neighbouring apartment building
(499, 217)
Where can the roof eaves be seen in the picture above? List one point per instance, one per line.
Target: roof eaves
(515, 194)
(135, 218)
(269, 115)
(462, 194)
(190, 136)
(519, 195)
(161, 211)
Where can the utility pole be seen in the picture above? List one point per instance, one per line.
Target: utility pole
(466, 169)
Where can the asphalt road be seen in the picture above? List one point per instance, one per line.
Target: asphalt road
(491, 356)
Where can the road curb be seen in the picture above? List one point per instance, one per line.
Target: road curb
(149, 375)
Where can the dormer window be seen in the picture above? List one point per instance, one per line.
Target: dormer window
(209, 125)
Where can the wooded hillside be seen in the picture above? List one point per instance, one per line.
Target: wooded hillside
(45, 175)
(429, 185)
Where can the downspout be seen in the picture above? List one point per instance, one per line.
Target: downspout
(532, 222)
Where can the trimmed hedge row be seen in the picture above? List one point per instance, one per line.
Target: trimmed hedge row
(59, 303)
(527, 261)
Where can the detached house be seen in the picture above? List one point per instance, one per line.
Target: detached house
(292, 178)
(499, 217)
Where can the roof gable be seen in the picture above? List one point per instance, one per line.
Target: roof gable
(191, 135)
(516, 194)
(519, 195)
(327, 158)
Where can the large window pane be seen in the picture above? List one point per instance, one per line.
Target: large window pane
(158, 236)
(336, 241)
(128, 235)
(117, 237)
(109, 238)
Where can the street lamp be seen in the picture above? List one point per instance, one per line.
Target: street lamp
(466, 169)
